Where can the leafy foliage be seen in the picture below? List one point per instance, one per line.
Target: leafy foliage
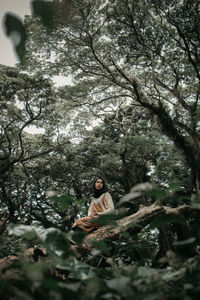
(61, 274)
(140, 55)
(130, 114)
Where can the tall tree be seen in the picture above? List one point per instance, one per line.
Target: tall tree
(25, 100)
(142, 52)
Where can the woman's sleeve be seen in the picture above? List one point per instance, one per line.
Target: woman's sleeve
(109, 203)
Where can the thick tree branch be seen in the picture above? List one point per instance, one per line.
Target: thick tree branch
(136, 222)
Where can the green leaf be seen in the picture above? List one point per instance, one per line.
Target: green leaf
(147, 272)
(101, 245)
(57, 242)
(54, 239)
(74, 287)
(157, 193)
(91, 288)
(162, 221)
(118, 284)
(175, 186)
(169, 276)
(21, 230)
(50, 283)
(45, 11)
(185, 242)
(78, 237)
(63, 201)
(29, 236)
(107, 219)
(196, 201)
(128, 197)
(16, 31)
(125, 235)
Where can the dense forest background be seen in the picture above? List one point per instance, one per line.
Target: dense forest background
(130, 114)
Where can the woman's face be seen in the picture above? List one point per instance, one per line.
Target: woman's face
(99, 184)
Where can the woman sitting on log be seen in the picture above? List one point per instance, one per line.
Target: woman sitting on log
(101, 203)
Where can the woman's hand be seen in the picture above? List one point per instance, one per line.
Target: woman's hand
(95, 215)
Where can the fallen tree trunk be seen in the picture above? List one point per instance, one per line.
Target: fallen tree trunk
(136, 222)
(133, 224)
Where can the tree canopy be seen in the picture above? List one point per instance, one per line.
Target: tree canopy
(130, 113)
(145, 53)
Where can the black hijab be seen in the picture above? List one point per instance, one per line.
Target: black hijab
(98, 193)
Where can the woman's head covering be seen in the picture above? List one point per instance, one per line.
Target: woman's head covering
(98, 193)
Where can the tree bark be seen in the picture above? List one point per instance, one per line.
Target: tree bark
(3, 223)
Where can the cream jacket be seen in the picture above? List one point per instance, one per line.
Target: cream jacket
(99, 201)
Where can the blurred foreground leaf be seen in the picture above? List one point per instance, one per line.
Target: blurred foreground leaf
(107, 219)
(63, 201)
(78, 237)
(101, 246)
(56, 242)
(45, 11)
(157, 193)
(52, 238)
(185, 242)
(118, 284)
(16, 31)
(175, 186)
(162, 221)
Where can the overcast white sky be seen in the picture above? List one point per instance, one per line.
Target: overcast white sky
(20, 8)
(7, 53)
